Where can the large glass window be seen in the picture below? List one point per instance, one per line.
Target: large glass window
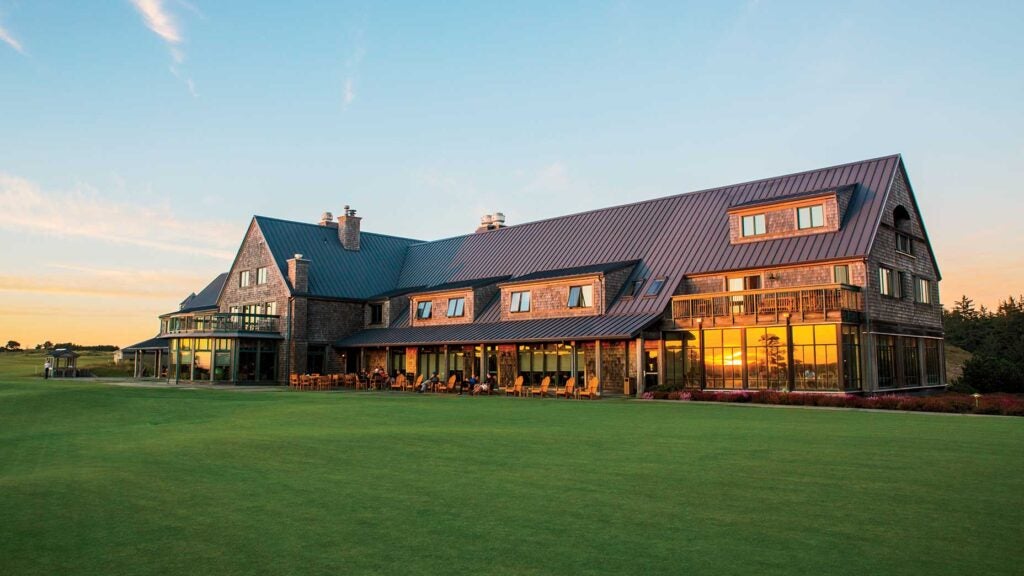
(682, 359)
(810, 217)
(851, 358)
(270, 308)
(428, 361)
(815, 357)
(423, 309)
(554, 360)
(723, 358)
(885, 354)
(767, 358)
(754, 225)
(185, 359)
(581, 296)
(397, 361)
(520, 302)
(932, 362)
(456, 307)
(172, 368)
(222, 359)
(911, 362)
(202, 359)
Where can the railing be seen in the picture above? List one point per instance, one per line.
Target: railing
(834, 301)
(220, 322)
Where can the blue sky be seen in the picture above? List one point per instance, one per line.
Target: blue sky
(140, 136)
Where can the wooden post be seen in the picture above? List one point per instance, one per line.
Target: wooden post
(639, 366)
(597, 365)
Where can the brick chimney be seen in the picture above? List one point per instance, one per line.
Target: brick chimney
(327, 219)
(298, 273)
(348, 230)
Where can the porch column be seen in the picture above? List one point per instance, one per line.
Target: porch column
(597, 365)
(572, 363)
(482, 375)
(639, 366)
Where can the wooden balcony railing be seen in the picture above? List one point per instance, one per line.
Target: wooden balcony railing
(829, 302)
(220, 323)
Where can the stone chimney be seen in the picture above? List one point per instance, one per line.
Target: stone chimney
(348, 230)
(327, 219)
(298, 273)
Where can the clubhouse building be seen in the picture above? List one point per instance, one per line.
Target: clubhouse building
(819, 281)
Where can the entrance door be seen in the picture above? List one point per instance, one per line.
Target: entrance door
(650, 368)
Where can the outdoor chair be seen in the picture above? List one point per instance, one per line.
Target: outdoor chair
(567, 391)
(541, 390)
(447, 386)
(517, 389)
(293, 380)
(399, 382)
(350, 380)
(305, 382)
(591, 390)
(418, 383)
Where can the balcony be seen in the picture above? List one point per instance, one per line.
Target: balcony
(833, 302)
(220, 324)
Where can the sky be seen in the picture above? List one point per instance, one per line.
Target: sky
(139, 137)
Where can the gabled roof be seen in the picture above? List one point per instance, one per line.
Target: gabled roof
(207, 297)
(333, 271)
(155, 343)
(672, 237)
(579, 327)
(472, 283)
(792, 197)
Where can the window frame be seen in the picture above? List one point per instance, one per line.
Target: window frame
(456, 307)
(261, 275)
(810, 211)
(244, 279)
(909, 243)
(835, 274)
(922, 290)
(424, 309)
(655, 288)
(581, 299)
(270, 308)
(754, 220)
(517, 301)
(885, 281)
(376, 309)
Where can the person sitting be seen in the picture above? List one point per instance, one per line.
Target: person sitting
(484, 387)
(469, 383)
(432, 383)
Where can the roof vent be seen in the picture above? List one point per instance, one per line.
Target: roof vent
(327, 219)
(491, 222)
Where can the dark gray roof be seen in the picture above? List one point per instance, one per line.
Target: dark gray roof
(155, 343)
(672, 236)
(797, 196)
(473, 283)
(333, 271)
(603, 268)
(207, 297)
(547, 329)
(62, 353)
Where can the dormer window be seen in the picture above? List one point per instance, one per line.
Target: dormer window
(655, 287)
(456, 307)
(581, 296)
(637, 286)
(520, 302)
(376, 314)
(423, 310)
(810, 217)
(754, 225)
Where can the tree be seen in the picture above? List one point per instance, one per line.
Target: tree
(13, 345)
(48, 345)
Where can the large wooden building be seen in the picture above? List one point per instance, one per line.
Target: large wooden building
(818, 281)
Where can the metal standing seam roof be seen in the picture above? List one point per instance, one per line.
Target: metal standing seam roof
(602, 327)
(206, 298)
(333, 271)
(602, 268)
(155, 343)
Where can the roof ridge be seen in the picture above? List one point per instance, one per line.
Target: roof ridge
(361, 232)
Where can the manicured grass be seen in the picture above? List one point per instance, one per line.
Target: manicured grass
(98, 479)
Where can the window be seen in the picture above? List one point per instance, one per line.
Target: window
(236, 309)
(581, 296)
(456, 307)
(423, 310)
(637, 285)
(243, 278)
(376, 313)
(901, 281)
(885, 286)
(904, 244)
(655, 287)
(261, 275)
(810, 217)
(753, 225)
(922, 291)
(885, 358)
(270, 308)
(520, 302)
(841, 274)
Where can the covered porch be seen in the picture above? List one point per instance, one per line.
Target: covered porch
(149, 358)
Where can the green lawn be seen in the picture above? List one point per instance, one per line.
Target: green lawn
(98, 479)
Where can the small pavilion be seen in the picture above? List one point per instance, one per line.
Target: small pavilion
(63, 362)
(150, 358)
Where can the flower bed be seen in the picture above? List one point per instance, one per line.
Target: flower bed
(1004, 404)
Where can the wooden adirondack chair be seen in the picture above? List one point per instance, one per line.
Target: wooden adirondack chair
(570, 385)
(591, 390)
(399, 382)
(419, 381)
(517, 389)
(447, 386)
(541, 390)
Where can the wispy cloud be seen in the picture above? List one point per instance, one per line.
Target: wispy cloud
(84, 213)
(352, 65)
(10, 40)
(165, 25)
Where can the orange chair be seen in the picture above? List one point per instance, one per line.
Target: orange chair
(418, 383)
(591, 390)
(567, 391)
(305, 382)
(293, 380)
(398, 383)
(446, 386)
(517, 389)
(541, 390)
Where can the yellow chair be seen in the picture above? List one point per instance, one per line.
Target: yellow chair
(419, 382)
(447, 386)
(570, 385)
(517, 389)
(398, 383)
(542, 390)
(591, 390)
(293, 380)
